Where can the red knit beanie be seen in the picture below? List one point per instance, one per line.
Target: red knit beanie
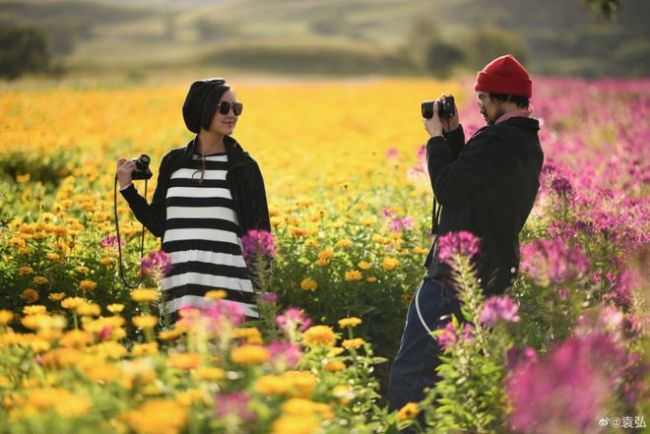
(505, 75)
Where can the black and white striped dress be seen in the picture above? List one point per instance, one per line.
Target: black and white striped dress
(201, 237)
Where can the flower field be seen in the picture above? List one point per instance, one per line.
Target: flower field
(565, 351)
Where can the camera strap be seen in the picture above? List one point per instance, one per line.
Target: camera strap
(119, 239)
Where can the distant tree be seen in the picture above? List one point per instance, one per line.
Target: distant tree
(210, 29)
(486, 43)
(607, 8)
(442, 57)
(22, 50)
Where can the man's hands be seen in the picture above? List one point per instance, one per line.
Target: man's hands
(435, 126)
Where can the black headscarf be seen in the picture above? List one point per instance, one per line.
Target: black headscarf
(201, 103)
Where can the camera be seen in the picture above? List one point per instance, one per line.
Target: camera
(446, 108)
(142, 170)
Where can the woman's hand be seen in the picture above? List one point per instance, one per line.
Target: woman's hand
(124, 169)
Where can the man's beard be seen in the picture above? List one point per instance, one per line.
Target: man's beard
(497, 115)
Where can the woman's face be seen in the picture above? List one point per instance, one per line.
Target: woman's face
(225, 124)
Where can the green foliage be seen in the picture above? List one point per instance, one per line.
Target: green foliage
(486, 43)
(22, 50)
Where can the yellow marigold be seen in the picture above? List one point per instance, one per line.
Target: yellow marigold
(158, 416)
(302, 383)
(216, 294)
(353, 343)
(351, 322)
(56, 296)
(72, 302)
(296, 424)
(371, 279)
(343, 393)
(145, 295)
(102, 372)
(353, 276)
(334, 366)
(87, 285)
(303, 406)
(208, 374)
(89, 309)
(75, 338)
(167, 335)
(106, 260)
(5, 317)
(276, 221)
(40, 280)
(344, 243)
(63, 402)
(185, 361)
(326, 254)
(363, 265)
(271, 385)
(82, 269)
(312, 243)
(30, 295)
(251, 334)
(309, 284)
(146, 349)
(34, 309)
(53, 256)
(409, 411)
(144, 321)
(322, 262)
(389, 263)
(115, 308)
(23, 179)
(188, 397)
(420, 250)
(26, 270)
(319, 335)
(250, 355)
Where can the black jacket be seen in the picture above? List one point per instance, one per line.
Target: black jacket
(244, 179)
(487, 187)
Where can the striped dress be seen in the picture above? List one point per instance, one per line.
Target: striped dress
(201, 238)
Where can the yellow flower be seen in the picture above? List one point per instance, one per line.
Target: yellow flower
(87, 285)
(251, 334)
(185, 361)
(34, 309)
(106, 260)
(343, 393)
(389, 264)
(26, 270)
(334, 366)
(30, 295)
(311, 243)
(371, 279)
(40, 280)
(353, 343)
(309, 284)
(75, 338)
(208, 374)
(409, 411)
(319, 335)
(250, 355)
(5, 317)
(158, 416)
(144, 295)
(63, 402)
(296, 424)
(145, 321)
(353, 276)
(302, 383)
(102, 372)
(351, 322)
(53, 256)
(82, 269)
(271, 385)
(363, 265)
(56, 296)
(115, 308)
(420, 250)
(326, 254)
(72, 302)
(322, 262)
(143, 350)
(89, 309)
(167, 335)
(216, 294)
(344, 243)
(23, 179)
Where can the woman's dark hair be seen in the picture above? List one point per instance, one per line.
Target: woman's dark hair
(201, 103)
(520, 101)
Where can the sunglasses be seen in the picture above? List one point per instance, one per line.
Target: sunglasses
(225, 106)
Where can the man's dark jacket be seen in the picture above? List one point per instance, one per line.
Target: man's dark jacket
(244, 179)
(487, 187)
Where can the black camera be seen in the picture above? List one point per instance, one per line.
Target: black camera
(446, 108)
(142, 170)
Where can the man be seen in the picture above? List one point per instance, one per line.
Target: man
(487, 187)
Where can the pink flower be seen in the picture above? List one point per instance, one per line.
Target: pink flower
(392, 153)
(497, 309)
(398, 224)
(457, 243)
(285, 352)
(234, 403)
(551, 261)
(516, 356)
(258, 244)
(110, 242)
(156, 262)
(267, 297)
(569, 389)
(447, 336)
(292, 318)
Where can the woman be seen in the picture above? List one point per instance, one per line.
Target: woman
(209, 194)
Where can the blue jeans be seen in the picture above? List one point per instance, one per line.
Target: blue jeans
(413, 368)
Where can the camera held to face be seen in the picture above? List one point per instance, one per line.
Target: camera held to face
(142, 170)
(446, 108)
